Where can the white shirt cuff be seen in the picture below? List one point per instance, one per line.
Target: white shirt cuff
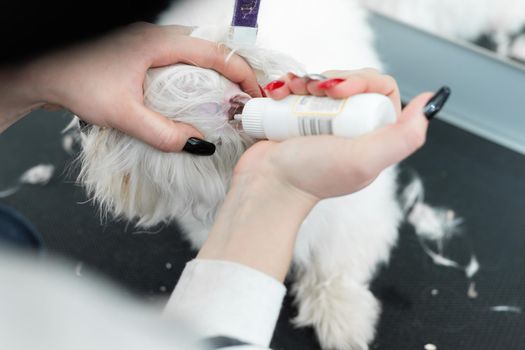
(222, 298)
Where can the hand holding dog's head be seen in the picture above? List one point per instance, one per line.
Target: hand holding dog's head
(134, 181)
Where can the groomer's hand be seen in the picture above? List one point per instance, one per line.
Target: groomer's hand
(275, 185)
(340, 84)
(321, 167)
(102, 81)
(328, 166)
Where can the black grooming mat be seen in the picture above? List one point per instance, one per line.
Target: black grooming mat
(422, 303)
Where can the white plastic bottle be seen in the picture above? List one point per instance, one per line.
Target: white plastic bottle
(265, 118)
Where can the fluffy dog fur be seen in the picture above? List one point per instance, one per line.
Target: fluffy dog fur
(502, 20)
(343, 240)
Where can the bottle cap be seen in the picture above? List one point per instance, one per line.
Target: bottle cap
(252, 117)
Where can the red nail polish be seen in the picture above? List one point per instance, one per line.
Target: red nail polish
(262, 91)
(274, 85)
(327, 84)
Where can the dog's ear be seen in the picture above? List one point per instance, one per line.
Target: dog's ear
(131, 180)
(237, 102)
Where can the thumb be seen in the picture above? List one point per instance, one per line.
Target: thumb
(162, 133)
(395, 142)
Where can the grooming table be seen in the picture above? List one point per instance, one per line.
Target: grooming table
(482, 182)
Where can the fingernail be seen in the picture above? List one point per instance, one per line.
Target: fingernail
(199, 147)
(262, 91)
(294, 76)
(330, 83)
(436, 103)
(274, 85)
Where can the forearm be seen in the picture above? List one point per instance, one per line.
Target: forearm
(257, 225)
(18, 95)
(236, 280)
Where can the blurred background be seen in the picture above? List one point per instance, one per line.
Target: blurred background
(473, 163)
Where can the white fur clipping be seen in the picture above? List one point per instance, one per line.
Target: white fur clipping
(68, 143)
(37, 175)
(507, 308)
(9, 191)
(412, 194)
(472, 268)
(517, 49)
(434, 225)
(472, 293)
(71, 136)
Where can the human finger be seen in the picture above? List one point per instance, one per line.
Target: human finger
(361, 81)
(162, 133)
(205, 54)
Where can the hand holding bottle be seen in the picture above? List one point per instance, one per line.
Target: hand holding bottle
(276, 184)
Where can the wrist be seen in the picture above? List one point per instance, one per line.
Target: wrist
(18, 95)
(257, 224)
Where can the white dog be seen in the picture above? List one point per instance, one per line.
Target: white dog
(503, 20)
(343, 240)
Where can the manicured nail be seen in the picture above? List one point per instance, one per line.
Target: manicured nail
(262, 91)
(274, 85)
(330, 83)
(199, 147)
(436, 103)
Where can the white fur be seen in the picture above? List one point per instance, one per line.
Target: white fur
(332, 34)
(459, 19)
(343, 240)
(518, 48)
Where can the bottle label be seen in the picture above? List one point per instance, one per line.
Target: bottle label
(318, 106)
(316, 114)
(310, 126)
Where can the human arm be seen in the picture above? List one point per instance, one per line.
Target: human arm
(284, 181)
(101, 81)
(273, 188)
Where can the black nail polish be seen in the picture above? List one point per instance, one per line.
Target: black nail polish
(199, 147)
(436, 103)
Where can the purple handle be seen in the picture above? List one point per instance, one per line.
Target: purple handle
(246, 13)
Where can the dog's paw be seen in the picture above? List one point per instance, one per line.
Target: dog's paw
(343, 313)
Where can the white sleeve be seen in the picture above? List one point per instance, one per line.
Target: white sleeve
(63, 311)
(221, 298)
